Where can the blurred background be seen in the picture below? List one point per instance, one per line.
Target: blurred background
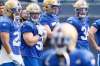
(66, 8)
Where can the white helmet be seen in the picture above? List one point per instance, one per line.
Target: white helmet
(11, 7)
(33, 8)
(51, 2)
(64, 34)
(81, 8)
(48, 3)
(81, 4)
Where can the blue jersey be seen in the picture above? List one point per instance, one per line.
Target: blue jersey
(96, 24)
(82, 27)
(82, 57)
(34, 51)
(13, 28)
(49, 19)
(55, 60)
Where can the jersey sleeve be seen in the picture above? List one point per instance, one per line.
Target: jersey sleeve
(4, 27)
(29, 28)
(96, 24)
(26, 28)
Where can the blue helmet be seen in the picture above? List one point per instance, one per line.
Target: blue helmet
(82, 58)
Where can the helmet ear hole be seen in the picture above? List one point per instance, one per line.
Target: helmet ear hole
(46, 7)
(7, 10)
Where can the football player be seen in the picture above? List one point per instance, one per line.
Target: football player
(82, 57)
(10, 35)
(81, 21)
(49, 19)
(33, 35)
(94, 34)
(63, 40)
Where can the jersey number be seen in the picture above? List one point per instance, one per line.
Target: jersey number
(85, 32)
(39, 45)
(16, 40)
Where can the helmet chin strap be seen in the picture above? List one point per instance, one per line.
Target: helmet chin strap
(61, 50)
(35, 20)
(82, 16)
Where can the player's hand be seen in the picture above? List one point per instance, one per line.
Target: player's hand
(16, 59)
(42, 33)
(40, 30)
(98, 49)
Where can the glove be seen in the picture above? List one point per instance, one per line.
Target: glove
(17, 59)
(40, 30)
(42, 33)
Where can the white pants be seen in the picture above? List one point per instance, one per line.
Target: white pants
(4, 57)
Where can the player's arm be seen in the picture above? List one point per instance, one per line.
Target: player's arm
(91, 38)
(30, 39)
(28, 36)
(49, 32)
(4, 36)
(5, 41)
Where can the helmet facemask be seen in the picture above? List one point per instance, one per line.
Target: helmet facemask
(34, 11)
(35, 17)
(53, 9)
(17, 13)
(81, 12)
